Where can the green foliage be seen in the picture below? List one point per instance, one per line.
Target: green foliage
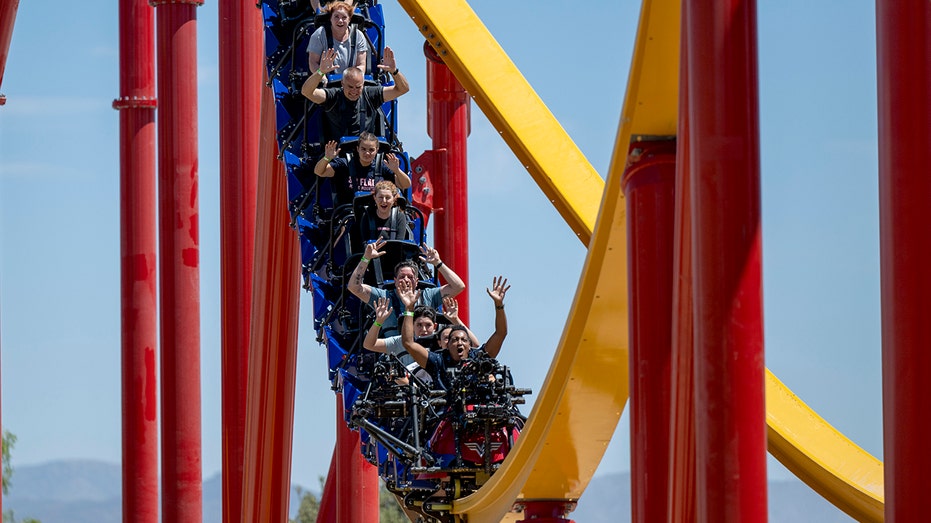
(388, 508)
(9, 441)
(309, 507)
(389, 511)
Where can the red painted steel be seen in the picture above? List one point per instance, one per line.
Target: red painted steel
(179, 263)
(138, 262)
(241, 59)
(327, 509)
(724, 162)
(682, 397)
(273, 346)
(903, 31)
(448, 108)
(648, 184)
(7, 18)
(356, 478)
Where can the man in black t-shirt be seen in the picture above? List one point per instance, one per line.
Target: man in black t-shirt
(353, 107)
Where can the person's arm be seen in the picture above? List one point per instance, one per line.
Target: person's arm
(389, 64)
(361, 60)
(454, 284)
(409, 297)
(372, 342)
(311, 88)
(451, 311)
(313, 61)
(401, 179)
(499, 289)
(359, 289)
(323, 168)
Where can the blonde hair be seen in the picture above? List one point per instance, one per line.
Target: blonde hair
(385, 185)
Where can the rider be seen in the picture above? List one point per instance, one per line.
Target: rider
(458, 347)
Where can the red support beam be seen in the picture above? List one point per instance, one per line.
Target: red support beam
(448, 108)
(241, 59)
(903, 38)
(724, 163)
(273, 346)
(7, 17)
(138, 262)
(327, 510)
(356, 478)
(648, 184)
(682, 398)
(179, 260)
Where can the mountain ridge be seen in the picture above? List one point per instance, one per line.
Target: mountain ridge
(89, 491)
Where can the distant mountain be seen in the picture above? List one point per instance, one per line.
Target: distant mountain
(82, 491)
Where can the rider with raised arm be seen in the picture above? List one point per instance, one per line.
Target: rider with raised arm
(406, 271)
(353, 107)
(458, 348)
(352, 175)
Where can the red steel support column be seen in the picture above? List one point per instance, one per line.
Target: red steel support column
(7, 17)
(179, 260)
(903, 38)
(725, 168)
(273, 346)
(356, 478)
(648, 184)
(138, 262)
(682, 397)
(241, 59)
(448, 108)
(327, 509)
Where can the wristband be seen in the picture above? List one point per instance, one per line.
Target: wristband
(327, 159)
(409, 313)
(499, 307)
(396, 71)
(376, 324)
(438, 265)
(321, 73)
(364, 260)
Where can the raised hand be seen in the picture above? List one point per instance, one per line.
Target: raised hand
(392, 161)
(328, 61)
(388, 62)
(407, 294)
(451, 308)
(372, 249)
(498, 289)
(383, 310)
(429, 254)
(332, 149)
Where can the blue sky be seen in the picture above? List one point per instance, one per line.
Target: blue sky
(59, 215)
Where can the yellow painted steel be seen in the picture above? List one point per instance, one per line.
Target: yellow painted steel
(526, 124)
(832, 465)
(586, 387)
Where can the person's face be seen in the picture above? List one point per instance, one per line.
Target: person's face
(458, 345)
(406, 274)
(423, 326)
(352, 86)
(339, 20)
(443, 338)
(384, 200)
(367, 152)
